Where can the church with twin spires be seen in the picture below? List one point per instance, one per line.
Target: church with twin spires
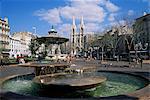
(77, 39)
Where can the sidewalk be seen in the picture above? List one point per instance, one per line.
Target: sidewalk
(114, 64)
(146, 61)
(127, 64)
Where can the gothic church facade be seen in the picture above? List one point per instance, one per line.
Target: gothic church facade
(77, 39)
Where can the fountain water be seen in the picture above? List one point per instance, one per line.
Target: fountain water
(76, 85)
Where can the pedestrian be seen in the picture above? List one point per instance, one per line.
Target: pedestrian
(69, 58)
(141, 61)
(1, 60)
(17, 60)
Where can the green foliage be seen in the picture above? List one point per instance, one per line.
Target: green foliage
(7, 61)
(1, 48)
(12, 61)
(107, 41)
(28, 59)
(33, 47)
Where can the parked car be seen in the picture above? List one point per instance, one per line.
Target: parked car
(62, 57)
(51, 57)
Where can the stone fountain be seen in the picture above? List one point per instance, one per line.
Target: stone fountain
(51, 45)
(43, 71)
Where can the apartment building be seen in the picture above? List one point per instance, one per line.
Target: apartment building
(19, 44)
(4, 37)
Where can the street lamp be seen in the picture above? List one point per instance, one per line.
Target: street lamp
(96, 49)
(102, 53)
(91, 50)
(139, 46)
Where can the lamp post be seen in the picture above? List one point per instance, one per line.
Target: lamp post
(91, 50)
(136, 49)
(102, 53)
(139, 46)
(96, 50)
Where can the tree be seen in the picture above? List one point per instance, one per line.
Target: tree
(1, 50)
(33, 46)
(126, 31)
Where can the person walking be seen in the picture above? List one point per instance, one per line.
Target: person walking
(141, 61)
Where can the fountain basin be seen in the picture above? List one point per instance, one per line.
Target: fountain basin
(117, 83)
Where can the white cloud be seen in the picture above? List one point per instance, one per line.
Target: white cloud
(83, 2)
(63, 29)
(111, 17)
(118, 23)
(90, 11)
(122, 22)
(130, 12)
(92, 27)
(93, 12)
(111, 7)
(51, 15)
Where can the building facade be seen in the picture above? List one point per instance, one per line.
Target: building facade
(19, 44)
(4, 37)
(77, 39)
(141, 29)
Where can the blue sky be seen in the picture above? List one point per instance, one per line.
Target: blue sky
(23, 15)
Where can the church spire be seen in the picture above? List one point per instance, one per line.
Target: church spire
(73, 22)
(81, 25)
(82, 22)
(81, 35)
(73, 37)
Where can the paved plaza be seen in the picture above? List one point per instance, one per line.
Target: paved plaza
(106, 65)
(120, 66)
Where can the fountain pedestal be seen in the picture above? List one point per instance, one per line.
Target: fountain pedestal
(71, 84)
(43, 69)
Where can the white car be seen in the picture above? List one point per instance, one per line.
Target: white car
(62, 57)
(51, 57)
